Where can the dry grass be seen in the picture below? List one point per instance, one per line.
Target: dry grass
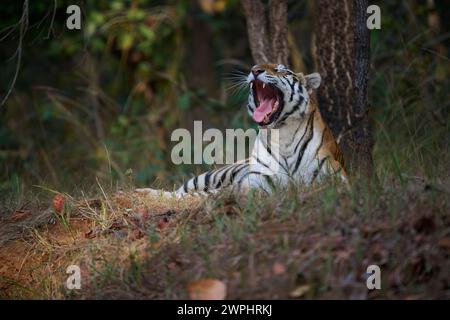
(301, 244)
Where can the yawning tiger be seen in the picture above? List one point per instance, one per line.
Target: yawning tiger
(294, 145)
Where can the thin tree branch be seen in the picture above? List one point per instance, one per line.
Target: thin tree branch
(23, 29)
(50, 29)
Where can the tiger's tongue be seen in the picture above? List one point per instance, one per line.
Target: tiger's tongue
(265, 107)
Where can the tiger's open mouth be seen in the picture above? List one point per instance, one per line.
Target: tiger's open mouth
(268, 100)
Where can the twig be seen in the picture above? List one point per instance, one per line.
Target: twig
(50, 28)
(23, 29)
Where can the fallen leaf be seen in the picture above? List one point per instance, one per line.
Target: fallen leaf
(20, 215)
(137, 234)
(163, 223)
(207, 289)
(299, 291)
(58, 203)
(171, 265)
(444, 243)
(229, 210)
(143, 214)
(90, 234)
(343, 255)
(116, 225)
(123, 201)
(278, 268)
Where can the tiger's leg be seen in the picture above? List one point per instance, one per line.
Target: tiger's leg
(208, 182)
(328, 167)
(254, 179)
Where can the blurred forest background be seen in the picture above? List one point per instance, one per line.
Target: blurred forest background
(103, 101)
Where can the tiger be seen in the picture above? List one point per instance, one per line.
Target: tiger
(304, 151)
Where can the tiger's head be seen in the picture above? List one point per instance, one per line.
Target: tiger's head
(277, 93)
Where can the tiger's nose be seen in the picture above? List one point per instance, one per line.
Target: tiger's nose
(257, 71)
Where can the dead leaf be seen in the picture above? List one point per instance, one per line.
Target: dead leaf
(137, 234)
(91, 234)
(58, 203)
(171, 265)
(278, 268)
(143, 214)
(123, 201)
(20, 215)
(444, 243)
(299, 291)
(207, 289)
(163, 223)
(343, 255)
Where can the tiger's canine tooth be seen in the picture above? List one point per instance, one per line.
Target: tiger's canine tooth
(264, 85)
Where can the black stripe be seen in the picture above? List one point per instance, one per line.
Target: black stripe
(284, 83)
(320, 145)
(233, 175)
(292, 89)
(195, 181)
(300, 101)
(287, 166)
(216, 173)
(270, 182)
(267, 166)
(185, 187)
(222, 178)
(260, 162)
(206, 186)
(295, 108)
(305, 145)
(287, 114)
(295, 133)
(304, 133)
(269, 136)
(316, 172)
(247, 174)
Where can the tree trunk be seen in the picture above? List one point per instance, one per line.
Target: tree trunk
(342, 43)
(279, 31)
(267, 47)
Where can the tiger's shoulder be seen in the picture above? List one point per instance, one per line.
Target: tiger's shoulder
(329, 148)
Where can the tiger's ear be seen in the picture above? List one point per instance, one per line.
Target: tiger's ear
(312, 81)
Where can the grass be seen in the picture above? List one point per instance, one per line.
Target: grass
(302, 244)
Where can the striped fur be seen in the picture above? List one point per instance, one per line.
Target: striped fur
(306, 150)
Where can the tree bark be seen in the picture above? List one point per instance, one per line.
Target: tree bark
(257, 30)
(279, 31)
(342, 46)
(267, 47)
